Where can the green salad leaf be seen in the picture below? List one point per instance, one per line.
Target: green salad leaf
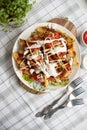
(25, 77)
(58, 84)
(35, 85)
(64, 83)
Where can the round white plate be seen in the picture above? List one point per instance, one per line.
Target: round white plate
(25, 34)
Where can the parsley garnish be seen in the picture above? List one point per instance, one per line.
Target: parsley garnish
(13, 11)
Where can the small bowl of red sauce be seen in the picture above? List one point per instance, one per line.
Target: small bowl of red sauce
(84, 38)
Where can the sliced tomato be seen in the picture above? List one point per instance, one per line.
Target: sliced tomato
(62, 53)
(69, 46)
(19, 58)
(48, 45)
(68, 67)
(51, 78)
(34, 76)
(39, 59)
(56, 35)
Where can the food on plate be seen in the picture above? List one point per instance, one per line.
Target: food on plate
(47, 57)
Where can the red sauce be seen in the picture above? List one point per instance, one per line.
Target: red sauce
(85, 37)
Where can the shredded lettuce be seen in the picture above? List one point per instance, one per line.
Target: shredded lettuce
(35, 85)
(38, 88)
(64, 83)
(25, 77)
(58, 84)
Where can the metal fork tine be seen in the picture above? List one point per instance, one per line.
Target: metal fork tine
(78, 91)
(76, 82)
(77, 102)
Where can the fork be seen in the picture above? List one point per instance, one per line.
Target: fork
(68, 102)
(46, 109)
(76, 82)
(73, 84)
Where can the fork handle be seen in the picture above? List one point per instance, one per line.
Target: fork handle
(52, 111)
(47, 108)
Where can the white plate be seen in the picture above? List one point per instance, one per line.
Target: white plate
(25, 34)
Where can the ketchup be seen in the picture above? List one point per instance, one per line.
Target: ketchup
(85, 37)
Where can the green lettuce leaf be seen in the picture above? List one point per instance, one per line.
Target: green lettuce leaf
(58, 83)
(25, 77)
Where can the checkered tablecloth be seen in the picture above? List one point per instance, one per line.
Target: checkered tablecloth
(17, 106)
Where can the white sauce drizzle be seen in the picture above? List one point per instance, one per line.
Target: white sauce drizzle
(31, 71)
(71, 62)
(40, 43)
(47, 68)
(26, 52)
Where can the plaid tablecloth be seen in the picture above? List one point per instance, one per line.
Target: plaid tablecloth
(17, 106)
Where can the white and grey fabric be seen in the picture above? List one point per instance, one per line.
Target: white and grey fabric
(17, 106)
